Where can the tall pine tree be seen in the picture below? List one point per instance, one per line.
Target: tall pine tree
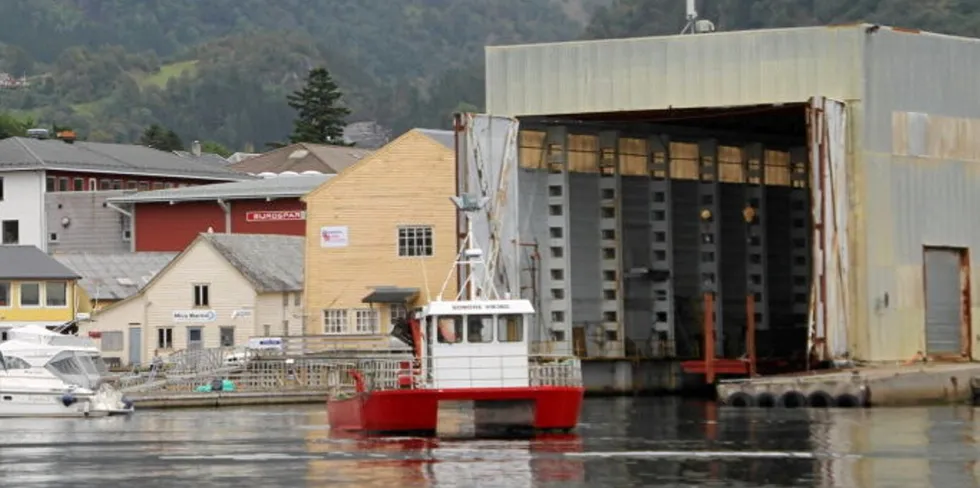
(320, 118)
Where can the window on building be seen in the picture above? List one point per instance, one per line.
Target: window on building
(157, 185)
(78, 184)
(4, 293)
(117, 184)
(112, 341)
(510, 328)
(285, 299)
(266, 330)
(105, 185)
(367, 321)
(144, 186)
(64, 184)
(53, 237)
(56, 294)
(415, 241)
(1, 188)
(297, 299)
(165, 338)
(132, 185)
(30, 294)
(11, 232)
(334, 321)
(227, 336)
(127, 228)
(201, 296)
(169, 185)
(51, 183)
(92, 184)
(398, 311)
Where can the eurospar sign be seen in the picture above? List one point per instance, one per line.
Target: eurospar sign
(274, 215)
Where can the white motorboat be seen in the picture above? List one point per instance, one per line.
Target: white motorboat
(65, 374)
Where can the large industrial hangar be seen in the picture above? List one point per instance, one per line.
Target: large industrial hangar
(818, 185)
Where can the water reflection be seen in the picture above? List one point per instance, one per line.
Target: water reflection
(622, 442)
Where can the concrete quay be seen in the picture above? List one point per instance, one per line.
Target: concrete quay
(921, 383)
(160, 400)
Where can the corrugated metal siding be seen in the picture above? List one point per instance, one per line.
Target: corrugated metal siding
(910, 203)
(928, 73)
(727, 68)
(918, 183)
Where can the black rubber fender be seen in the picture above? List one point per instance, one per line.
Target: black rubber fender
(792, 399)
(740, 399)
(820, 399)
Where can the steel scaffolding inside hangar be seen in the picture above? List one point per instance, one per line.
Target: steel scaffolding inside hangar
(637, 220)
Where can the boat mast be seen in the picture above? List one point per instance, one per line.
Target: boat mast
(473, 287)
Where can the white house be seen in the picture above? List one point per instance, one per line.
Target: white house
(221, 290)
(53, 190)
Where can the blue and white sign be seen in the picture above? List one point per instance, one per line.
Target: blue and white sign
(195, 315)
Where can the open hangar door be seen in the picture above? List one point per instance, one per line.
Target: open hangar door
(630, 220)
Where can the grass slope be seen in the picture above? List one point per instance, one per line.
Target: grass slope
(158, 79)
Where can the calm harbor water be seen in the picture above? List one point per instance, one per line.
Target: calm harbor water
(622, 443)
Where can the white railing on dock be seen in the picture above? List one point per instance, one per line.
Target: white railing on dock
(310, 345)
(333, 375)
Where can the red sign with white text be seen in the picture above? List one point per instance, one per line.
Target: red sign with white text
(274, 215)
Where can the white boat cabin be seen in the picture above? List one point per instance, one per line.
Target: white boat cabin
(476, 343)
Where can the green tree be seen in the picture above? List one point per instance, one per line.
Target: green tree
(160, 138)
(215, 148)
(320, 118)
(11, 126)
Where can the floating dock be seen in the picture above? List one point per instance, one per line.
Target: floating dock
(926, 383)
(225, 399)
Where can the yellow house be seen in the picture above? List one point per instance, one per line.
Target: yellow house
(381, 238)
(35, 289)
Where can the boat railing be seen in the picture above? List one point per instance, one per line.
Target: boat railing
(460, 371)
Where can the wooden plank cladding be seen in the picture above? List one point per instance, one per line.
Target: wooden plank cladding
(583, 157)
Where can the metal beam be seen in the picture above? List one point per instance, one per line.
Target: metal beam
(800, 218)
(709, 244)
(661, 243)
(610, 243)
(556, 277)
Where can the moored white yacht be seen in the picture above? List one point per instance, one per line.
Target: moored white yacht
(43, 373)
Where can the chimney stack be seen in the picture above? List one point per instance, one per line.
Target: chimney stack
(196, 148)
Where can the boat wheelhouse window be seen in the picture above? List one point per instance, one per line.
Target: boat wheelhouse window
(14, 362)
(510, 328)
(450, 329)
(479, 329)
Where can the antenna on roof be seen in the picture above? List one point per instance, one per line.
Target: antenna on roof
(695, 26)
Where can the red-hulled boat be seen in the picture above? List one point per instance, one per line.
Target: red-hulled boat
(470, 353)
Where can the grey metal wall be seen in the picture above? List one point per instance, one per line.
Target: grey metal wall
(916, 180)
(943, 301)
(92, 225)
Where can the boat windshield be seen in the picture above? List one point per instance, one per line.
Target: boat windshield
(99, 363)
(75, 368)
(14, 362)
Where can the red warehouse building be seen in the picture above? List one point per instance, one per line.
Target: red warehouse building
(169, 220)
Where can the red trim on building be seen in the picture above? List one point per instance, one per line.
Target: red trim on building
(162, 227)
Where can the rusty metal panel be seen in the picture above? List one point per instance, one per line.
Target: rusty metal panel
(651, 73)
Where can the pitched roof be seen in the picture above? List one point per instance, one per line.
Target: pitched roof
(204, 158)
(276, 187)
(445, 137)
(20, 153)
(270, 262)
(115, 276)
(302, 157)
(30, 263)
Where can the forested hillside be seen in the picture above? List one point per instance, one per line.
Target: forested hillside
(220, 69)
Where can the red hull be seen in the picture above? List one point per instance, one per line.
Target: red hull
(417, 410)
